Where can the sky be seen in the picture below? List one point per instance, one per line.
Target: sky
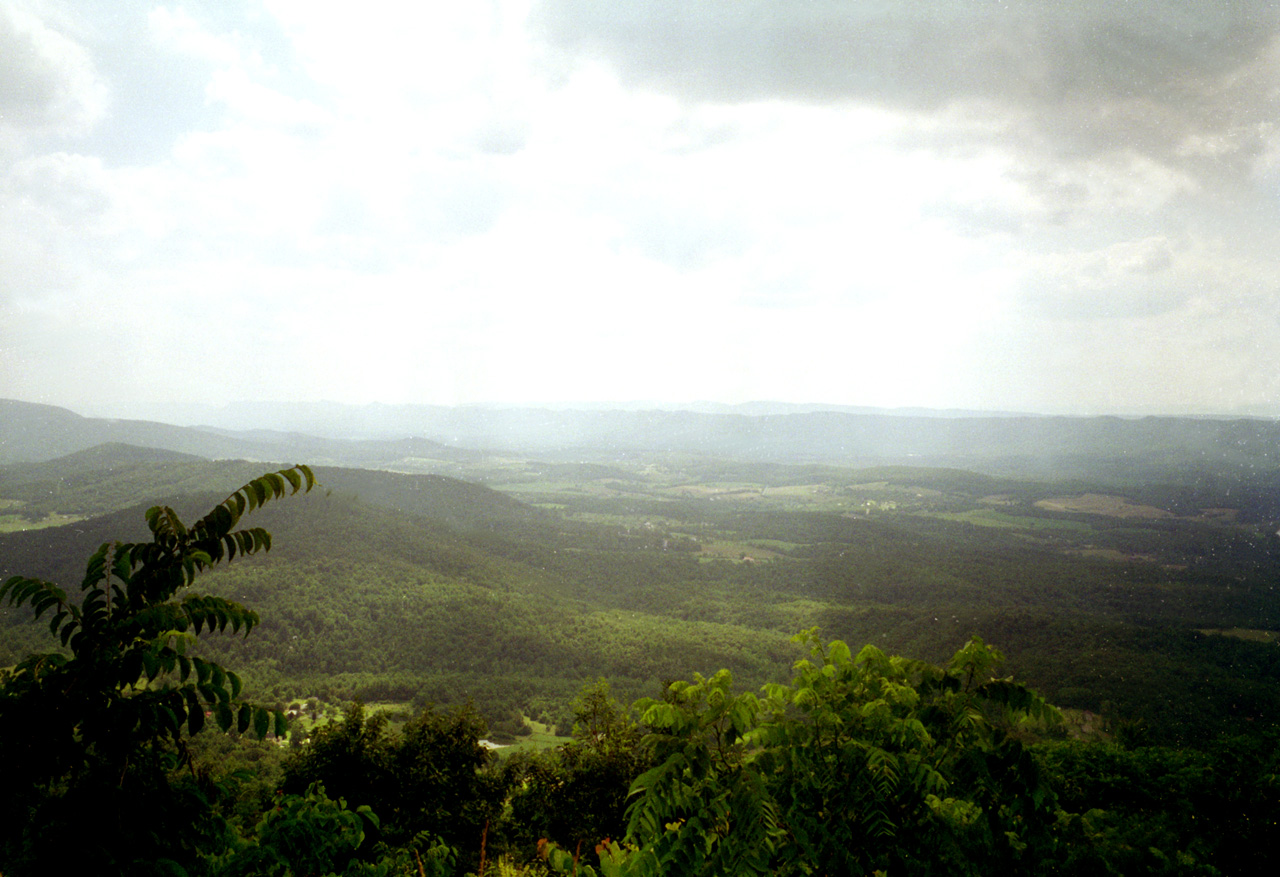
(1062, 208)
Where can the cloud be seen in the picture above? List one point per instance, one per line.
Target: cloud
(1166, 79)
(945, 204)
(48, 81)
(1122, 280)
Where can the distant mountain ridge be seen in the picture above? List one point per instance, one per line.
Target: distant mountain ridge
(1007, 444)
(32, 433)
(382, 420)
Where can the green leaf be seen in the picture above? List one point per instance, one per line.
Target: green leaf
(223, 519)
(261, 722)
(172, 723)
(95, 569)
(150, 664)
(367, 812)
(222, 711)
(838, 653)
(122, 567)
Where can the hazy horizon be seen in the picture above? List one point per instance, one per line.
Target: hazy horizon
(256, 413)
(1027, 208)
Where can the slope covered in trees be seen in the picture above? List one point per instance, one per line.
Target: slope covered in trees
(393, 586)
(846, 763)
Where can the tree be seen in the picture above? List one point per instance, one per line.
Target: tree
(862, 764)
(304, 834)
(576, 796)
(89, 735)
(425, 779)
(600, 723)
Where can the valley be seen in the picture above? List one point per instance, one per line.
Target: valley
(514, 580)
(603, 614)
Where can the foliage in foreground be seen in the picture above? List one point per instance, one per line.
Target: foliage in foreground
(312, 833)
(871, 764)
(577, 794)
(89, 735)
(862, 763)
(428, 777)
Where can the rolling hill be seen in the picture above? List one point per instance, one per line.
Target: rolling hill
(415, 586)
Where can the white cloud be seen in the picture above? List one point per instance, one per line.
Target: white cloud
(420, 203)
(1124, 279)
(48, 82)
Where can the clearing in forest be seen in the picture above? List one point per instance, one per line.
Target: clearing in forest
(1103, 504)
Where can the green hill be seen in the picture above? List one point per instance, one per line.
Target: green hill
(396, 586)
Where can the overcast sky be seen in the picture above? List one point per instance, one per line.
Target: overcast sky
(1033, 206)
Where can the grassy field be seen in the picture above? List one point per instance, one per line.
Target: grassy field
(1252, 635)
(742, 551)
(991, 518)
(12, 523)
(539, 740)
(1103, 504)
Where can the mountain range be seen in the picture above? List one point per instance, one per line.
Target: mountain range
(380, 436)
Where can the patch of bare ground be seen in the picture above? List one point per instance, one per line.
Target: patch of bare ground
(1085, 725)
(1111, 554)
(998, 499)
(714, 492)
(1104, 504)
(1253, 635)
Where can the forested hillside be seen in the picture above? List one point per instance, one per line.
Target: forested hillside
(394, 586)
(485, 609)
